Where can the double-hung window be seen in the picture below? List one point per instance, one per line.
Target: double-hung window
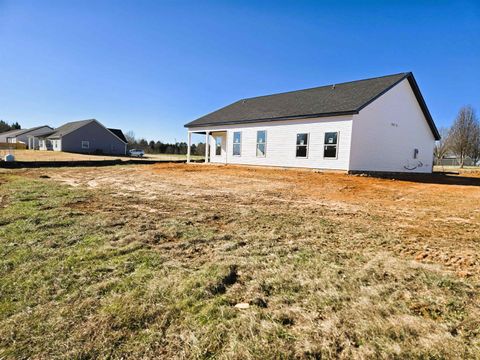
(330, 146)
(302, 145)
(237, 143)
(261, 143)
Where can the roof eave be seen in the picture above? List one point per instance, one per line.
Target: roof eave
(423, 106)
(293, 117)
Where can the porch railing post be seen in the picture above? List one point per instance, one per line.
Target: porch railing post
(189, 146)
(207, 145)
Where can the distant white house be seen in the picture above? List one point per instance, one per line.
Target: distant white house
(380, 124)
(25, 136)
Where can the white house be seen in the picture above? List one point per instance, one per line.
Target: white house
(24, 136)
(377, 125)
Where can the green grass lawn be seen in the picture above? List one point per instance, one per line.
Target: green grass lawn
(84, 277)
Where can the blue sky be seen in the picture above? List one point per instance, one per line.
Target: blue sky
(152, 66)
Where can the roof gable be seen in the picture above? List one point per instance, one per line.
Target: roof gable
(330, 100)
(119, 134)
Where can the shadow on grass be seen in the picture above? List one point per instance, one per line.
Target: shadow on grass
(441, 178)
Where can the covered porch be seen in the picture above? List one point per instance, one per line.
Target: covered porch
(218, 153)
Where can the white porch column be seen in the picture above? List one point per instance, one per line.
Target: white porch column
(207, 145)
(189, 142)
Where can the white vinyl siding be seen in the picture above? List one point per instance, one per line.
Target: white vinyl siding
(281, 137)
(387, 132)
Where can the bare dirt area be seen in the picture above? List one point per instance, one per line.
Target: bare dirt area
(436, 219)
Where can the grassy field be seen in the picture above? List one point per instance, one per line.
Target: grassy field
(39, 155)
(151, 261)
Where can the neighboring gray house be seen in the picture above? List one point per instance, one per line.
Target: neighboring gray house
(85, 136)
(25, 136)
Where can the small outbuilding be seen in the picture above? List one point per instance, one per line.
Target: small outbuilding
(377, 125)
(85, 136)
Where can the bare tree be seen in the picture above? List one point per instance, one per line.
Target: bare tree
(475, 150)
(462, 134)
(130, 136)
(441, 146)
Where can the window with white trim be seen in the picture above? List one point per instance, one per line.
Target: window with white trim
(237, 143)
(302, 145)
(261, 143)
(85, 144)
(330, 145)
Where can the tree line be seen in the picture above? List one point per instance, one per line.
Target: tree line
(462, 139)
(4, 126)
(158, 147)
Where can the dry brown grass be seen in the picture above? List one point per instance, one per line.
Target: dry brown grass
(149, 261)
(436, 222)
(40, 155)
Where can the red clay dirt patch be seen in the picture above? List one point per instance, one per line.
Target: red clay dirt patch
(433, 218)
(437, 216)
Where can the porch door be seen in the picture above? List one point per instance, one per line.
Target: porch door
(219, 151)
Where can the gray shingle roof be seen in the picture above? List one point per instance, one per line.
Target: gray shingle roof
(19, 132)
(75, 125)
(68, 128)
(47, 130)
(13, 133)
(330, 100)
